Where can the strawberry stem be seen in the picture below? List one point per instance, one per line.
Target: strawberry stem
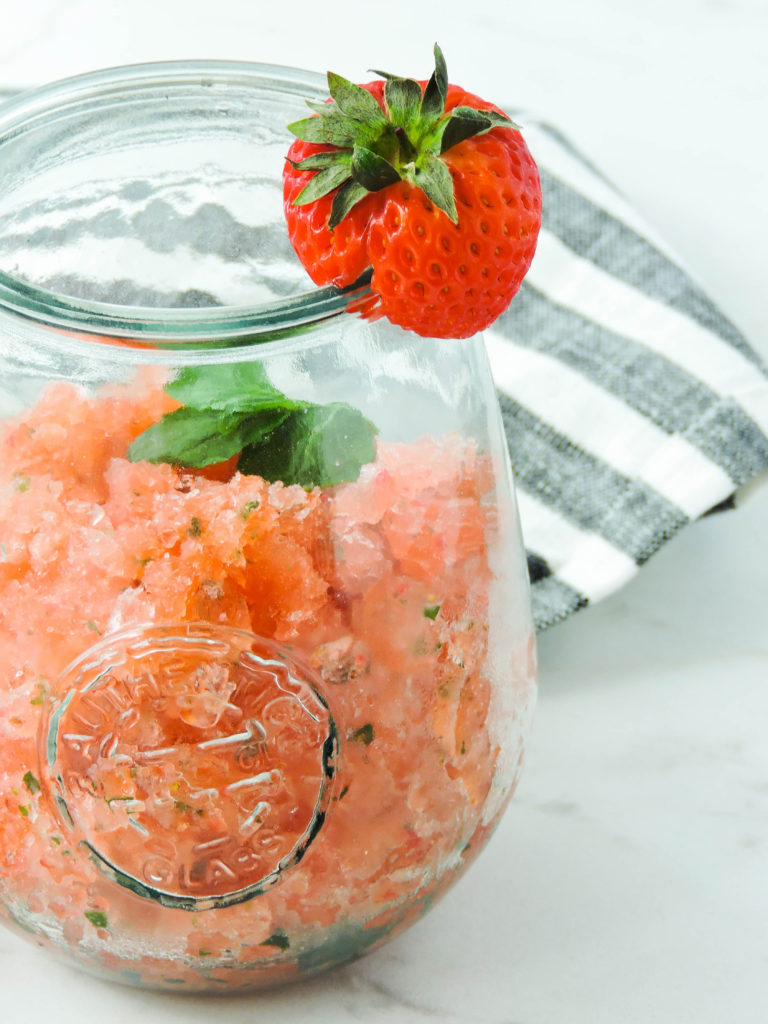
(375, 148)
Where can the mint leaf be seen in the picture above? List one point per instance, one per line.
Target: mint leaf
(234, 409)
(229, 387)
(202, 437)
(315, 446)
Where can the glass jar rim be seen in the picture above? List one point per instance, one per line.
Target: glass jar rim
(170, 327)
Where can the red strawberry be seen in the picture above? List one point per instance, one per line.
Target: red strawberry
(429, 185)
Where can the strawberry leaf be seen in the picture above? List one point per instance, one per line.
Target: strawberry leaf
(346, 198)
(465, 122)
(405, 139)
(334, 129)
(322, 108)
(309, 129)
(435, 180)
(436, 92)
(324, 182)
(354, 101)
(319, 161)
(372, 171)
(403, 99)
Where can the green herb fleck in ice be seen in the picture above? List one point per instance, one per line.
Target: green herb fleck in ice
(364, 734)
(97, 918)
(31, 783)
(277, 938)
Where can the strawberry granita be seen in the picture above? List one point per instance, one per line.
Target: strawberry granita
(246, 729)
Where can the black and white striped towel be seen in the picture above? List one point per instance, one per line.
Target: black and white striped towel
(632, 405)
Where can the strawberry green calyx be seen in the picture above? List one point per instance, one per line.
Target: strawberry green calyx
(375, 148)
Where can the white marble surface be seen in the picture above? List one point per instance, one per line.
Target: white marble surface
(629, 880)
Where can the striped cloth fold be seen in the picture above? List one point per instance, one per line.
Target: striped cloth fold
(632, 405)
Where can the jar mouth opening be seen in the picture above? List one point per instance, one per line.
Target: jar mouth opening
(161, 326)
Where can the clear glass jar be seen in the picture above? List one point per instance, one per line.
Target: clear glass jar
(255, 715)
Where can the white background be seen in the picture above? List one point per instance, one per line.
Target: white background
(629, 880)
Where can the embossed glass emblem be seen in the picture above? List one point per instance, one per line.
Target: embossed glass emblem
(193, 762)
